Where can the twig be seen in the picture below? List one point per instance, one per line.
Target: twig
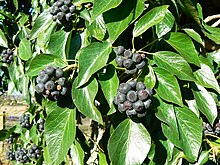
(209, 18)
(216, 23)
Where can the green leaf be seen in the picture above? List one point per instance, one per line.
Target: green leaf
(77, 153)
(205, 103)
(190, 129)
(91, 59)
(151, 18)
(150, 78)
(60, 130)
(165, 25)
(206, 77)
(175, 64)
(167, 87)
(212, 33)
(215, 56)
(15, 2)
(184, 46)
(3, 40)
(101, 6)
(58, 42)
(44, 37)
(24, 49)
(193, 106)
(84, 97)
(116, 23)
(194, 35)
(98, 29)
(41, 61)
(109, 84)
(43, 21)
(129, 144)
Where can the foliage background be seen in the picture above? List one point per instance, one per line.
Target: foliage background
(182, 49)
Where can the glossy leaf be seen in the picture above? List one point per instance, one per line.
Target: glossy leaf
(24, 49)
(116, 23)
(213, 33)
(77, 153)
(167, 87)
(101, 6)
(203, 158)
(43, 21)
(109, 83)
(165, 112)
(184, 46)
(84, 98)
(128, 137)
(194, 35)
(150, 78)
(43, 60)
(205, 103)
(175, 64)
(91, 59)
(60, 130)
(3, 40)
(206, 77)
(58, 42)
(190, 129)
(151, 18)
(98, 29)
(165, 25)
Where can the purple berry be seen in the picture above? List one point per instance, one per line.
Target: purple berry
(132, 96)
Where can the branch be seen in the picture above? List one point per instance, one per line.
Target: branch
(209, 18)
(216, 23)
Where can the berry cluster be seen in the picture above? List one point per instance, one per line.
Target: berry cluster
(10, 140)
(21, 155)
(63, 12)
(51, 83)
(7, 56)
(133, 98)
(25, 121)
(131, 61)
(40, 125)
(34, 152)
(10, 155)
(207, 129)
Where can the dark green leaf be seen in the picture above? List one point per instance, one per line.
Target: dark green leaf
(184, 45)
(190, 129)
(205, 103)
(25, 50)
(43, 21)
(109, 83)
(175, 64)
(60, 130)
(77, 153)
(116, 23)
(167, 87)
(84, 97)
(151, 18)
(58, 42)
(3, 40)
(189, 8)
(43, 60)
(165, 25)
(101, 6)
(128, 137)
(206, 77)
(194, 35)
(91, 59)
